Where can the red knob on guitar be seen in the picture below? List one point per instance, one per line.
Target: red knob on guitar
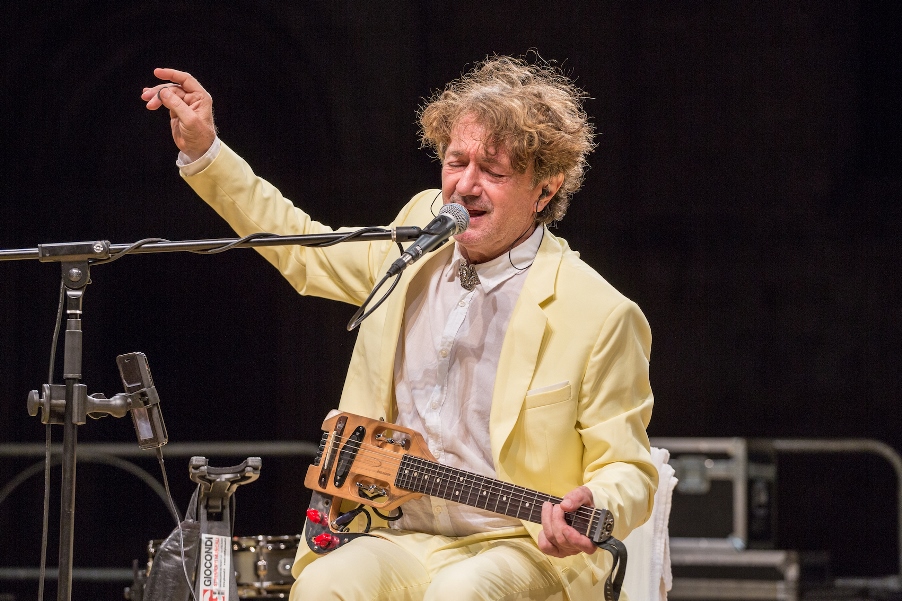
(325, 540)
(315, 516)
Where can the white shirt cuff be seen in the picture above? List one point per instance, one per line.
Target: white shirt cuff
(189, 167)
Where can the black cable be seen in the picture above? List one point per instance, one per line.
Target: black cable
(260, 235)
(351, 236)
(56, 332)
(388, 518)
(45, 522)
(125, 251)
(359, 315)
(343, 522)
(233, 244)
(172, 508)
(232, 508)
(178, 522)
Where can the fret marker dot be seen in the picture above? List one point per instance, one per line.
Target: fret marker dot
(456, 492)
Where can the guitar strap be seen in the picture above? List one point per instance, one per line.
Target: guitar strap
(614, 582)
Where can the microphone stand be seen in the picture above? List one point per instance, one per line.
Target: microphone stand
(76, 259)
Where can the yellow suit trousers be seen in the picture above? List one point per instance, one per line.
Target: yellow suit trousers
(410, 566)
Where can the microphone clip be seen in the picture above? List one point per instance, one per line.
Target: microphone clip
(143, 400)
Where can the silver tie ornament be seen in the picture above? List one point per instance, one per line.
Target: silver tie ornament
(467, 274)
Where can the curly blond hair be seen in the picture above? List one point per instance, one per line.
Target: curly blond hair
(533, 110)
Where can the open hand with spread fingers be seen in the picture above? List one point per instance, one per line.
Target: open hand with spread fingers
(190, 110)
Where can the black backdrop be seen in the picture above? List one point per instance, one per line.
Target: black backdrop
(745, 192)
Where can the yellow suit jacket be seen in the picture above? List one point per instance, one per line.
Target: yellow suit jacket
(572, 397)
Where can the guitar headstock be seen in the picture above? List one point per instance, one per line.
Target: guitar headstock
(602, 527)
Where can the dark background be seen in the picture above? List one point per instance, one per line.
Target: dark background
(745, 192)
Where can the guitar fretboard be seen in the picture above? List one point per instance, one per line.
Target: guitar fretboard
(428, 477)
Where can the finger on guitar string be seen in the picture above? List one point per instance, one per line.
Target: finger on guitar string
(557, 538)
(547, 538)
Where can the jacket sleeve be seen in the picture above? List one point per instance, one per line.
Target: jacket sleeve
(615, 407)
(345, 272)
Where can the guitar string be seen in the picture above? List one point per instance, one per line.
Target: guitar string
(586, 513)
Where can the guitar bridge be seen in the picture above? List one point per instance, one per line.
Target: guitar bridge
(371, 491)
(380, 437)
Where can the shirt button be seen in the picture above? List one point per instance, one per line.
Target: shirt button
(462, 304)
(443, 353)
(438, 510)
(435, 404)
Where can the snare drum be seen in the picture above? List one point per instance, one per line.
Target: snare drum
(262, 564)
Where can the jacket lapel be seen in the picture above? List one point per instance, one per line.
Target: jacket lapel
(522, 344)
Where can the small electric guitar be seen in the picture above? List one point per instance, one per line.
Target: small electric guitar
(382, 465)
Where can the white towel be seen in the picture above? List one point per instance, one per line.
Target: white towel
(648, 576)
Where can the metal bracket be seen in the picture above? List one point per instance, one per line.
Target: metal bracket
(217, 484)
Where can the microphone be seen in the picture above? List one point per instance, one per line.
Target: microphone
(451, 220)
(143, 400)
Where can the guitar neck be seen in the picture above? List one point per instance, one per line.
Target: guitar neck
(434, 479)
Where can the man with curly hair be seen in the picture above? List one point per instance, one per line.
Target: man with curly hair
(512, 357)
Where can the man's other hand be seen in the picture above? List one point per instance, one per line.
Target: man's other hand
(557, 538)
(190, 110)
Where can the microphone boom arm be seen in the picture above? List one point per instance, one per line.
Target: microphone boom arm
(103, 250)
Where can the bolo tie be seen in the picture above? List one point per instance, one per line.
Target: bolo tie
(467, 274)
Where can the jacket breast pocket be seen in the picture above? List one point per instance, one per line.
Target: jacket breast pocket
(548, 395)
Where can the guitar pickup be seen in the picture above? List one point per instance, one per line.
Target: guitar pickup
(331, 448)
(348, 454)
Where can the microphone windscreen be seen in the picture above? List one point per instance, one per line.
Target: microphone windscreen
(459, 214)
